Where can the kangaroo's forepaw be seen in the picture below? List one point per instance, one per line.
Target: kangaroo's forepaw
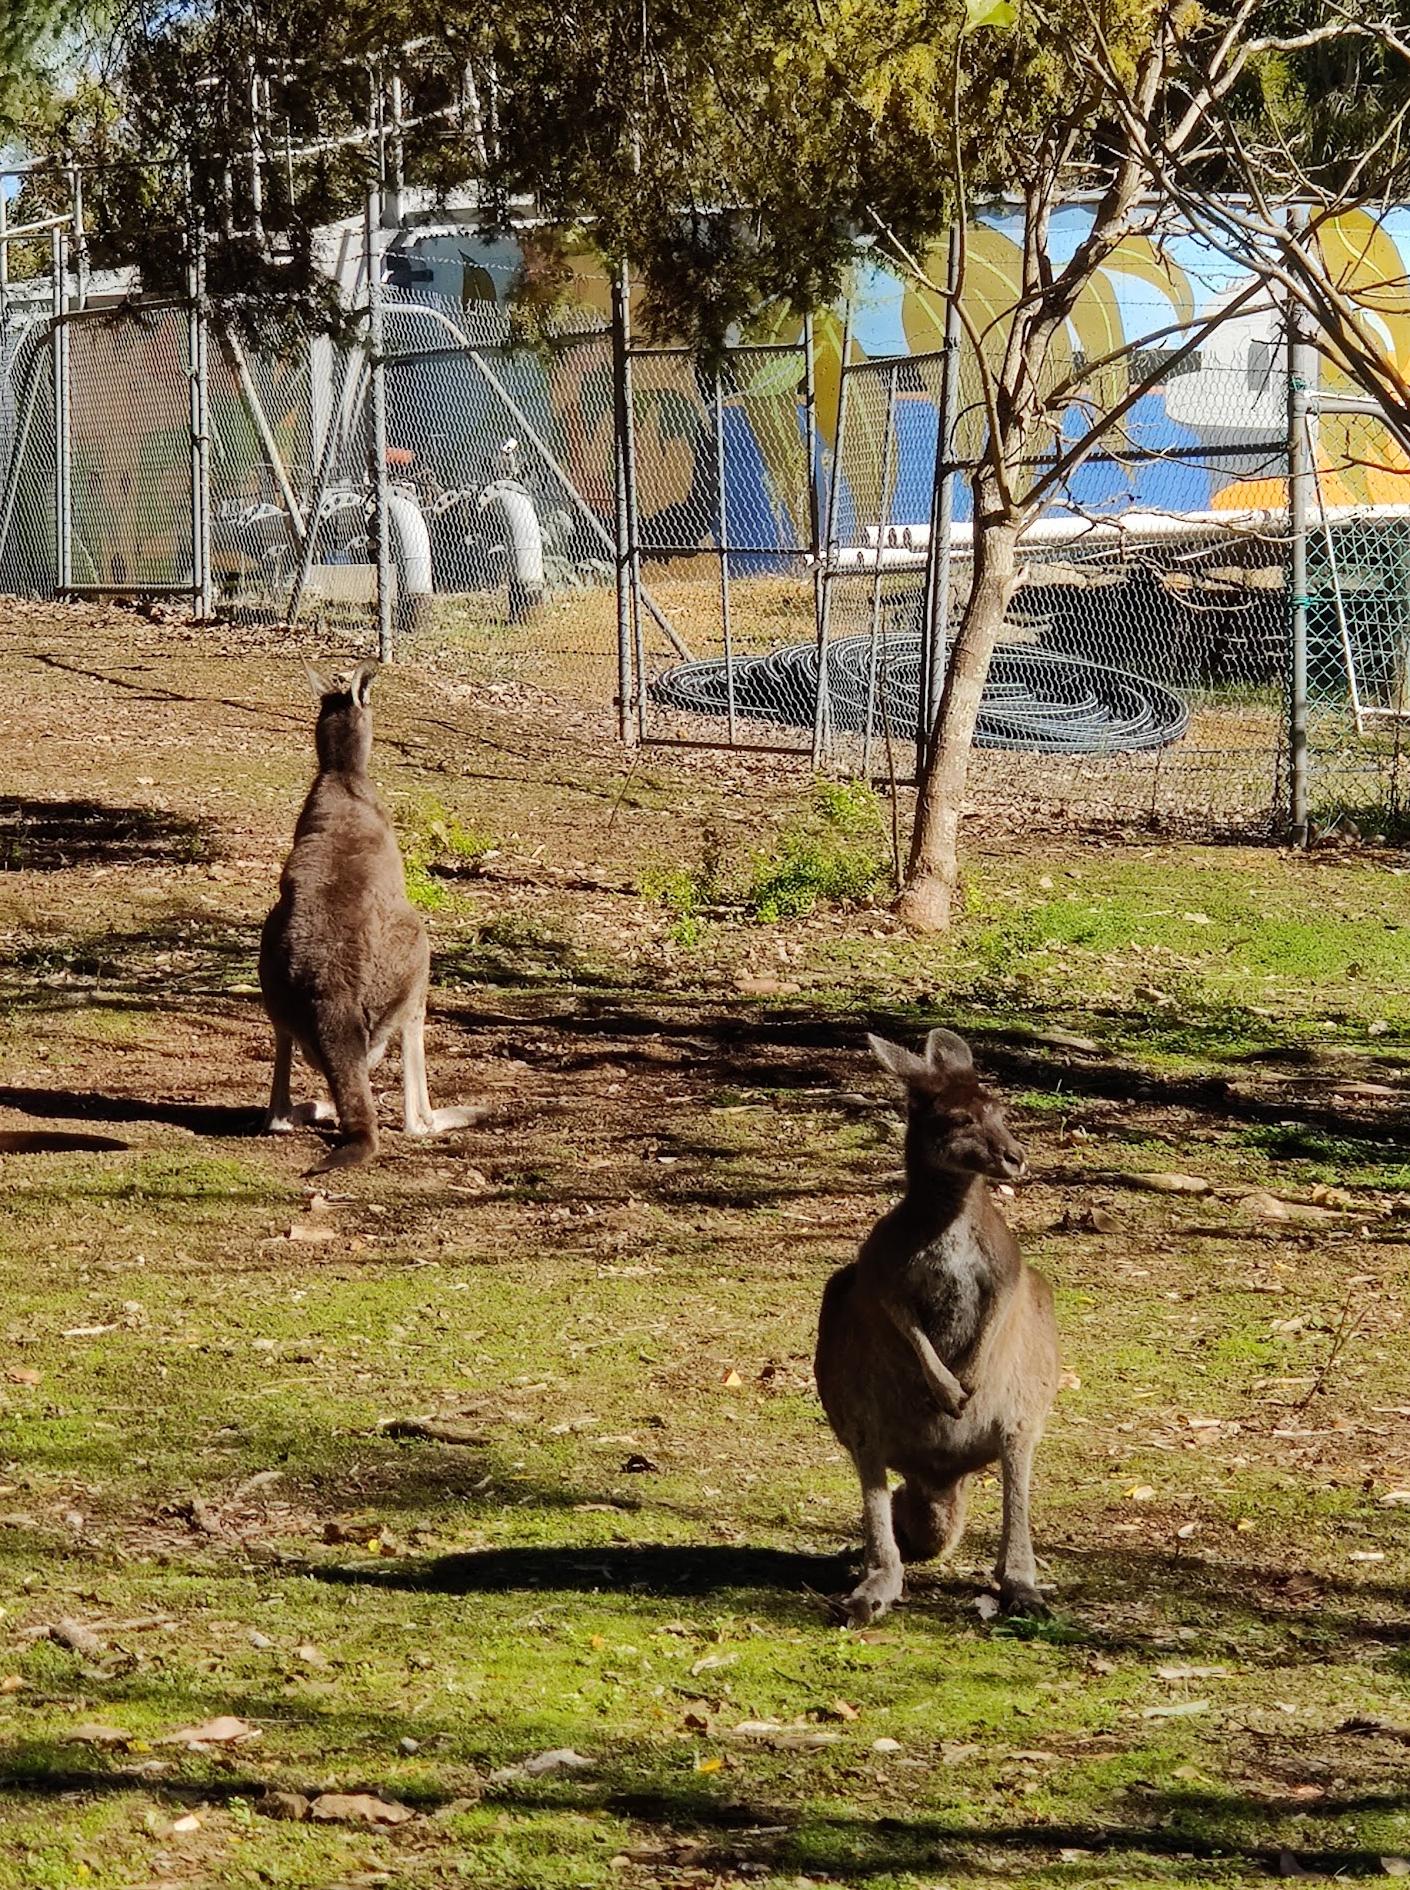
(1021, 1598)
(952, 1403)
(873, 1595)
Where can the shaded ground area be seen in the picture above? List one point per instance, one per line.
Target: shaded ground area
(228, 1488)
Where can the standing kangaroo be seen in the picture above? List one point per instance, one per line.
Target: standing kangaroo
(937, 1347)
(344, 963)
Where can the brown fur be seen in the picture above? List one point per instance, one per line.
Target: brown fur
(937, 1347)
(344, 963)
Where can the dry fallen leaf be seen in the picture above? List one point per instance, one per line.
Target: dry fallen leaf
(1168, 1183)
(97, 1736)
(292, 1806)
(731, 1379)
(709, 1765)
(23, 1375)
(358, 1808)
(1182, 1709)
(75, 1636)
(1141, 1493)
(560, 1759)
(225, 1730)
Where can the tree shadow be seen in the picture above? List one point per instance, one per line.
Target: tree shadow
(48, 836)
(743, 1046)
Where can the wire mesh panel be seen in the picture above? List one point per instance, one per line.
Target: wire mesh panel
(28, 564)
(1358, 621)
(1141, 671)
(130, 449)
(725, 525)
(503, 468)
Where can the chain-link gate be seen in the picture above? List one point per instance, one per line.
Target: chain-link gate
(722, 520)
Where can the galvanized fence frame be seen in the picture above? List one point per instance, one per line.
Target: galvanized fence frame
(61, 365)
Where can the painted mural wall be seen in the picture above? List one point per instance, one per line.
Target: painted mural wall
(1211, 437)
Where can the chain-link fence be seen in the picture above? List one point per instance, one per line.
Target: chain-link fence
(722, 553)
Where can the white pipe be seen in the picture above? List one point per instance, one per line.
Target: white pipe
(905, 545)
(411, 554)
(521, 525)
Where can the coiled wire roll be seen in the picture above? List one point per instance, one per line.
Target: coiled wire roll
(1034, 699)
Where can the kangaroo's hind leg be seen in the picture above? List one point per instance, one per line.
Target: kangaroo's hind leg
(928, 1520)
(1017, 1571)
(419, 1117)
(343, 1048)
(882, 1579)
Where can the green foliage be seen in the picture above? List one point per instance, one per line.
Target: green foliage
(435, 844)
(834, 854)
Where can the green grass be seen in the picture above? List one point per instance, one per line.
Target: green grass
(624, 1263)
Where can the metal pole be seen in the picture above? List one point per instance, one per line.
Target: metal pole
(621, 548)
(633, 522)
(59, 349)
(722, 527)
(810, 441)
(256, 154)
(4, 271)
(80, 237)
(822, 708)
(1301, 368)
(887, 429)
(377, 445)
(198, 369)
(935, 618)
(393, 204)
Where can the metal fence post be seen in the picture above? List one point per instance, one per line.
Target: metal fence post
(810, 437)
(626, 405)
(722, 527)
(1301, 474)
(822, 705)
(63, 452)
(888, 432)
(622, 545)
(4, 273)
(935, 610)
(80, 237)
(377, 445)
(198, 370)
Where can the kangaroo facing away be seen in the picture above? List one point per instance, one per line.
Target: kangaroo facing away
(937, 1347)
(344, 963)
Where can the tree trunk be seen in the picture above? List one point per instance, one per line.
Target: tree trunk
(928, 894)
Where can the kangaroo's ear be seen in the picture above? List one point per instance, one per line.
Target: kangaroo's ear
(319, 683)
(900, 1062)
(948, 1054)
(360, 683)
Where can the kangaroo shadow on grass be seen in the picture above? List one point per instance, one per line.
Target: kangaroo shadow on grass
(91, 1105)
(48, 836)
(651, 1568)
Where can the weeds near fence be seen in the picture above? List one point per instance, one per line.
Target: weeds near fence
(836, 853)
